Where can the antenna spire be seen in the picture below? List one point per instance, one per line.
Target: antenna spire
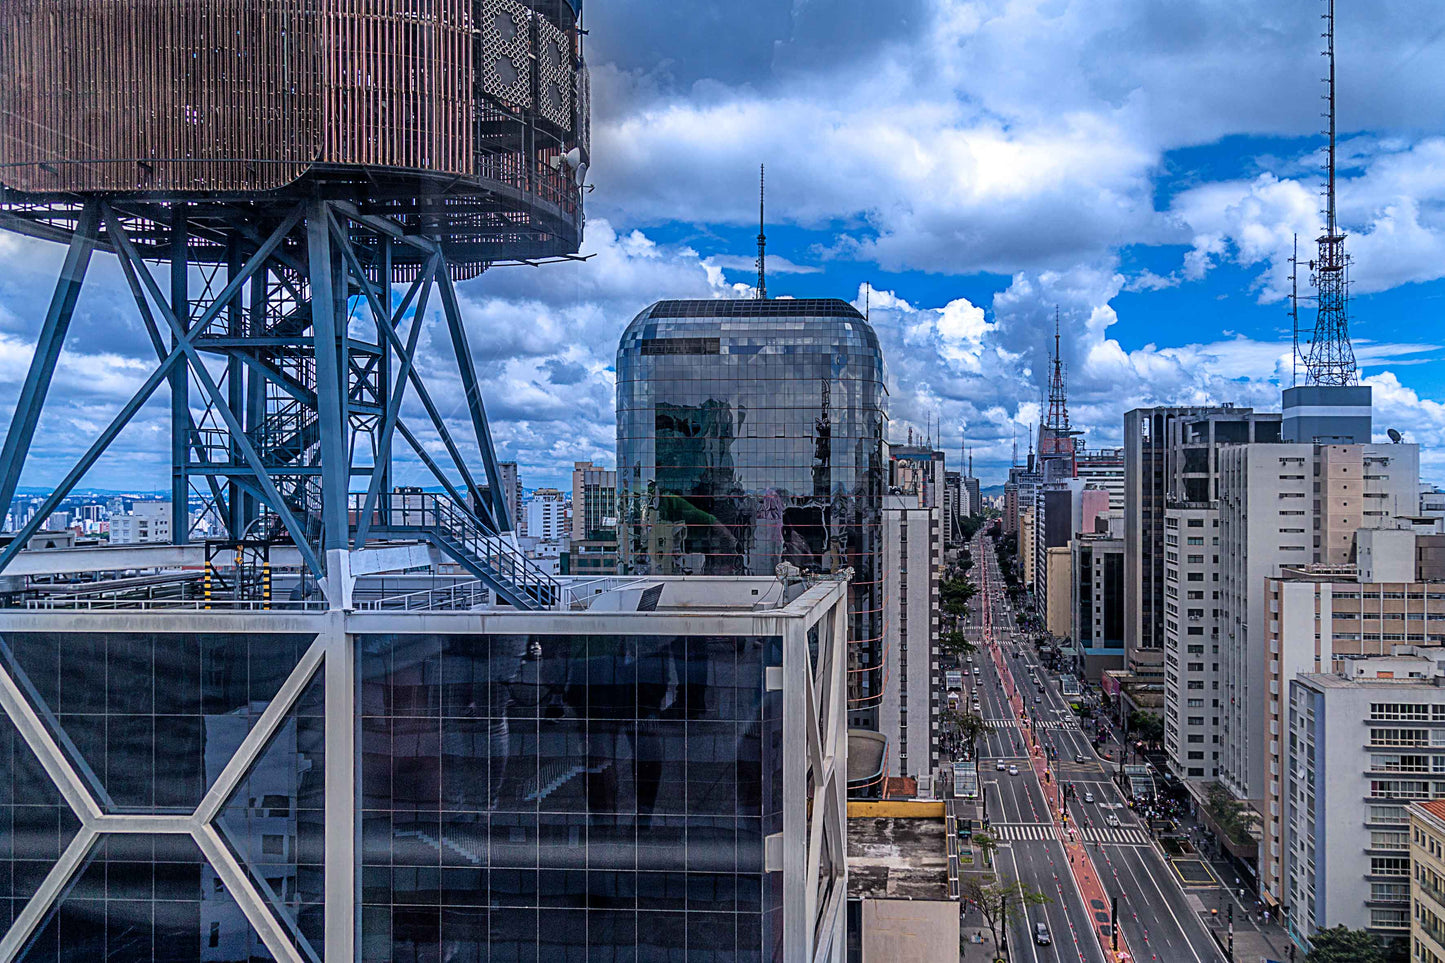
(762, 241)
(1331, 358)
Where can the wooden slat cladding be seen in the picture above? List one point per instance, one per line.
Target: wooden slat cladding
(398, 84)
(158, 95)
(230, 95)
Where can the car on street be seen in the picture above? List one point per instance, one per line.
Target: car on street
(1088, 796)
(975, 705)
(1041, 935)
(1000, 765)
(975, 671)
(1079, 757)
(1111, 820)
(1013, 770)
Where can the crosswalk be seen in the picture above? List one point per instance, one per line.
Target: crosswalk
(1056, 725)
(1039, 832)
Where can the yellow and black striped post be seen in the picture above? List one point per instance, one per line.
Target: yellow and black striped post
(206, 582)
(265, 585)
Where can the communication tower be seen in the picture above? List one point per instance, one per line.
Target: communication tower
(310, 179)
(1331, 358)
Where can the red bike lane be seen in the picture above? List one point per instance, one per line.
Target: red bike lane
(1081, 866)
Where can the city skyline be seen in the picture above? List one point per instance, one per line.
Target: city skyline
(1154, 207)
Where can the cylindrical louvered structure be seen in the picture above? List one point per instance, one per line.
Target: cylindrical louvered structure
(465, 121)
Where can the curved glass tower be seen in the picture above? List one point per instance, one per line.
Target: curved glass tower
(750, 433)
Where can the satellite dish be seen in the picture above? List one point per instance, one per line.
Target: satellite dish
(1394, 436)
(573, 157)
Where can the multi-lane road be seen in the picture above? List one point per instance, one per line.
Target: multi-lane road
(1156, 920)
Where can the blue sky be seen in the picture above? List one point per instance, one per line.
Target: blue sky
(1141, 165)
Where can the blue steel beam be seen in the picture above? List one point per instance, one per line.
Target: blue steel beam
(393, 408)
(47, 352)
(125, 249)
(501, 514)
(330, 372)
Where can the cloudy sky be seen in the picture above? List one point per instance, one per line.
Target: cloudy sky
(1143, 166)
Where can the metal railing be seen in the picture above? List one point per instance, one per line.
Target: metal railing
(462, 596)
(458, 529)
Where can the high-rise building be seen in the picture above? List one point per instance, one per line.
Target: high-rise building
(622, 775)
(1170, 458)
(751, 433)
(547, 515)
(955, 505)
(1363, 744)
(1336, 619)
(1098, 610)
(1286, 505)
(512, 495)
(1103, 468)
(593, 545)
(912, 563)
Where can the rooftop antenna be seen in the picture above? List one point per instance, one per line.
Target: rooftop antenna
(762, 242)
(1331, 359)
(1294, 314)
(867, 301)
(1014, 431)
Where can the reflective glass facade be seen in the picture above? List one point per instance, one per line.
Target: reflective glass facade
(149, 720)
(751, 433)
(569, 797)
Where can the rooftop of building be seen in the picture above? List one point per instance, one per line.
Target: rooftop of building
(752, 308)
(1432, 809)
(898, 850)
(1406, 665)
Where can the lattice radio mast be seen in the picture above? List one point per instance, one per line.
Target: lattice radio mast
(762, 242)
(1331, 359)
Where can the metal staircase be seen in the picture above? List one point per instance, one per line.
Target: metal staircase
(461, 536)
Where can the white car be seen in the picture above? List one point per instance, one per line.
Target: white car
(975, 705)
(1000, 765)
(1013, 770)
(1111, 820)
(1088, 796)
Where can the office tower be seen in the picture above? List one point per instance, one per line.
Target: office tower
(974, 502)
(1363, 743)
(593, 548)
(512, 495)
(955, 506)
(749, 434)
(1286, 505)
(547, 515)
(622, 775)
(1169, 459)
(1097, 603)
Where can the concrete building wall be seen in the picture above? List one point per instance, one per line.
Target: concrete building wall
(1191, 642)
(912, 563)
(1427, 882)
(1058, 616)
(1360, 749)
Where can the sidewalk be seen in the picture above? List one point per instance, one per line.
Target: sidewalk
(971, 924)
(1253, 939)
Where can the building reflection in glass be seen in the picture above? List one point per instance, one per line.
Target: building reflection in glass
(750, 433)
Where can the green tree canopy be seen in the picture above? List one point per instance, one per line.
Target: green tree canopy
(1342, 945)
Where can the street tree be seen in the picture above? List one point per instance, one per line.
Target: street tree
(1340, 944)
(1000, 902)
(971, 728)
(1147, 727)
(955, 643)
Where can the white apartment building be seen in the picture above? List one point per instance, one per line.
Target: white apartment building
(1364, 746)
(547, 515)
(147, 522)
(1286, 505)
(1191, 642)
(912, 561)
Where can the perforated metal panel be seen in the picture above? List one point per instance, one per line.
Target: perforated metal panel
(554, 74)
(584, 110)
(505, 66)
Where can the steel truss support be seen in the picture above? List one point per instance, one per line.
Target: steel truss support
(288, 384)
